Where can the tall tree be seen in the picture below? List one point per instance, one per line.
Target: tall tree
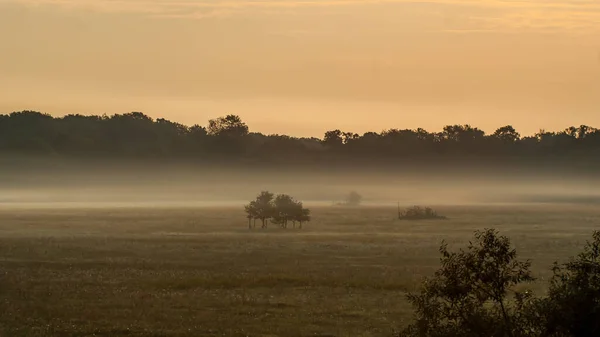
(467, 296)
(333, 138)
(353, 199)
(264, 207)
(252, 213)
(230, 125)
(507, 134)
(285, 207)
(572, 307)
(302, 216)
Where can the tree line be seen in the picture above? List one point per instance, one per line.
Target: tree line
(482, 291)
(138, 135)
(279, 210)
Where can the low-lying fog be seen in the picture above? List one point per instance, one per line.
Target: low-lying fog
(234, 186)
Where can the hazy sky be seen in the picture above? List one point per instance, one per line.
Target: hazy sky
(302, 67)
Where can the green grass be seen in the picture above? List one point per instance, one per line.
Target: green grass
(201, 272)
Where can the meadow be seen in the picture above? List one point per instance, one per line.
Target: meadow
(199, 271)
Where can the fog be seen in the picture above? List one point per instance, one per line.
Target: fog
(180, 186)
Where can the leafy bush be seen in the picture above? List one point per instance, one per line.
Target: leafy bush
(419, 213)
(572, 307)
(469, 295)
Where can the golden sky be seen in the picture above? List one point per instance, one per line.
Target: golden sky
(302, 67)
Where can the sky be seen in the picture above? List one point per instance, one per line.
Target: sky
(302, 67)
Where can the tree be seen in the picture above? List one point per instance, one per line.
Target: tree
(230, 126)
(262, 207)
(280, 210)
(333, 138)
(252, 213)
(299, 214)
(349, 137)
(285, 209)
(572, 307)
(353, 199)
(135, 134)
(196, 138)
(228, 135)
(303, 216)
(462, 133)
(467, 296)
(507, 134)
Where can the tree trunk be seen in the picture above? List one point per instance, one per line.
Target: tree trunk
(507, 324)
(249, 223)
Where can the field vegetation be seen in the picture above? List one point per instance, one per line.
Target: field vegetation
(202, 272)
(419, 213)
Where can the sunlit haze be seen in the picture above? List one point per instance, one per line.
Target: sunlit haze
(303, 67)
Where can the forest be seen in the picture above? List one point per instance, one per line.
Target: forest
(136, 135)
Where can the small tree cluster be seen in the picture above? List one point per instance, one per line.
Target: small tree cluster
(469, 295)
(279, 210)
(418, 213)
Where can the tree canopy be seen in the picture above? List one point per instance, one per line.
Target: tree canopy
(353, 199)
(138, 135)
(481, 291)
(280, 210)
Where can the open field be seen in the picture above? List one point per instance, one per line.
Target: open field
(201, 272)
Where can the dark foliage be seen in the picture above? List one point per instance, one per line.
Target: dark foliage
(280, 210)
(470, 295)
(419, 213)
(137, 135)
(353, 199)
(572, 307)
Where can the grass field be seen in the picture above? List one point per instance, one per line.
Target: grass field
(201, 272)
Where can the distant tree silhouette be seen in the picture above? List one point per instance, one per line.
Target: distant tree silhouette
(262, 208)
(507, 134)
(353, 199)
(419, 213)
(286, 208)
(333, 138)
(302, 216)
(252, 213)
(228, 134)
(136, 135)
(230, 125)
(279, 210)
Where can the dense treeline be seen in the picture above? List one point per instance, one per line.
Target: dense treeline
(137, 135)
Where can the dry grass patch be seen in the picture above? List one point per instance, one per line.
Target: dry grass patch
(201, 272)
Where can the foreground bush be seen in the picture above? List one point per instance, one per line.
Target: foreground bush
(469, 295)
(572, 307)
